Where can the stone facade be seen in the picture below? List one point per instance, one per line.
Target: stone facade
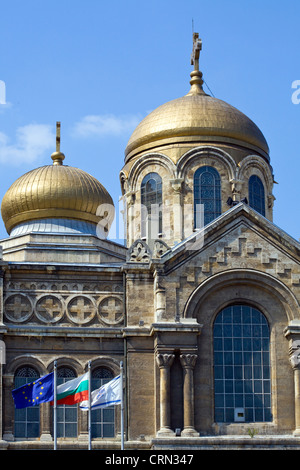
(79, 299)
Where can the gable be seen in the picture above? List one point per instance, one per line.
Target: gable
(241, 239)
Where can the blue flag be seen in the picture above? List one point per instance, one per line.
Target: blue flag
(39, 391)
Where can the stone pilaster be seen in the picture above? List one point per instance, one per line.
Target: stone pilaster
(177, 209)
(160, 296)
(295, 362)
(164, 362)
(9, 413)
(188, 362)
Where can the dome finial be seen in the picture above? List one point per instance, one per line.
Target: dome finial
(196, 76)
(57, 156)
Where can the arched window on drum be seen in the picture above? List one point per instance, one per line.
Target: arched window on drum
(207, 195)
(151, 210)
(257, 194)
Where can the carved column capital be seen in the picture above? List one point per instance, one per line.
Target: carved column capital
(177, 185)
(188, 361)
(295, 354)
(165, 360)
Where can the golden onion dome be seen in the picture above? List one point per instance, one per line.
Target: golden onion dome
(53, 192)
(196, 118)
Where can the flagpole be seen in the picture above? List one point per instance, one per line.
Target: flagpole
(122, 406)
(90, 410)
(55, 406)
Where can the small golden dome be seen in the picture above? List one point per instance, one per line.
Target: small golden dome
(195, 118)
(53, 191)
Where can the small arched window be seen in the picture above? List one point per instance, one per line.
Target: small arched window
(242, 365)
(207, 195)
(151, 200)
(103, 420)
(27, 420)
(66, 414)
(257, 194)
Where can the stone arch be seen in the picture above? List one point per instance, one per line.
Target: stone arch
(69, 362)
(25, 360)
(254, 165)
(146, 161)
(255, 162)
(279, 306)
(223, 157)
(241, 277)
(107, 362)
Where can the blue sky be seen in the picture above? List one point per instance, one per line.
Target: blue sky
(116, 61)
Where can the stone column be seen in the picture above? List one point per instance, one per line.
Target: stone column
(177, 209)
(160, 296)
(188, 362)
(164, 362)
(45, 422)
(295, 362)
(9, 412)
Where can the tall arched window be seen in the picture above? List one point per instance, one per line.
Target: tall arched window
(242, 365)
(103, 420)
(66, 414)
(27, 420)
(151, 200)
(207, 192)
(257, 194)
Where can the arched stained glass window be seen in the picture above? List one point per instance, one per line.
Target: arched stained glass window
(207, 192)
(103, 420)
(242, 365)
(27, 420)
(257, 194)
(151, 200)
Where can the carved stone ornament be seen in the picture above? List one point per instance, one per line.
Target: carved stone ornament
(111, 311)
(17, 308)
(139, 252)
(295, 354)
(160, 248)
(188, 360)
(165, 360)
(81, 309)
(49, 309)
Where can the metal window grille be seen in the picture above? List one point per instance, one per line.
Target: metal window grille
(242, 365)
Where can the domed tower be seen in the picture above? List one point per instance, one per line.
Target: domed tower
(55, 198)
(63, 211)
(189, 161)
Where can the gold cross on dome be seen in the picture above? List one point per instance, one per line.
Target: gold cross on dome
(58, 136)
(197, 47)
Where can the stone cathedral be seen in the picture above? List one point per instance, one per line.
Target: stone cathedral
(201, 304)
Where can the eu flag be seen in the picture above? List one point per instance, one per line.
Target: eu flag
(39, 391)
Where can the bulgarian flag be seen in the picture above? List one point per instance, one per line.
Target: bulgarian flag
(73, 391)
